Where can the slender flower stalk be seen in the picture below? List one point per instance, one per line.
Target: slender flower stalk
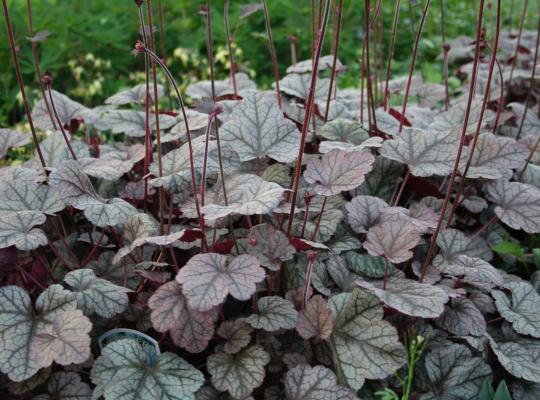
(47, 80)
(445, 48)
(229, 46)
(532, 83)
(307, 116)
(148, 133)
(20, 81)
(272, 49)
(335, 47)
(413, 62)
(156, 117)
(453, 175)
(35, 57)
(518, 44)
(472, 146)
(367, 65)
(140, 47)
(391, 53)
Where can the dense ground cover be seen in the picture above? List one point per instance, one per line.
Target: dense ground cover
(297, 237)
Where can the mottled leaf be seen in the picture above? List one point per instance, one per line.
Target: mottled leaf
(338, 171)
(274, 313)
(408, 297)
(208, 278)
(189, 329)
(176, 165)
(325, 62)
(246, 195)
(462, 318)
(315, 320)
(518, 360)
(19, 324)
(55, 150)
(344, 130)
(75, 189)
(269, 245)
(67, 342)
(126, 370)
(315, 383)
(240, 373)
(67, 110)
(257, 128)
(494, 156)
(298, 85)
(366, 347)
(426, 153)
(522, 310)
(237, 333)
(97, 295)
(363, 212)
(133, 123)
(393, 239)
(66, 386)
(518, 204)
(11, 138)
(136, 94)
(454, 373)
(203, 89)
(17, 229)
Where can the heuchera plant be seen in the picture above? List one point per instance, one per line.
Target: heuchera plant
(304, 243)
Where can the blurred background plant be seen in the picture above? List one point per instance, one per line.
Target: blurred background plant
(89, 42)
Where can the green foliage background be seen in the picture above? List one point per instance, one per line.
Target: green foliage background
(89, 49)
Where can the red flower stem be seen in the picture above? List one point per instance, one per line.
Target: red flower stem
(64, 134)
(402, 188)
(35, 57)
(20, 81)
(371, 106)
(229, 46)
(186, 125)
(472, 145)
(272, 50)
(413, 62)
(391, 52)
(450, 189)
(307, 117)
(148, 133)
(520, 33)
(156, 117)
(532, 83)
(334, 62)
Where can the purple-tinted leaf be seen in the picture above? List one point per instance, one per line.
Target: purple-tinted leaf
(208, 278)
(393, 239)
(518, 204)
(315, 320)
(189, 329)
(338, 171)
(269, 245)
(462, 318)
(274, 313)
(408, 297)
(315, 383)
(257, 128)
(238, 374)
(67, 342)
(237, 333)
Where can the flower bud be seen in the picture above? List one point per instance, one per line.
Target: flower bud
(47, 78)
